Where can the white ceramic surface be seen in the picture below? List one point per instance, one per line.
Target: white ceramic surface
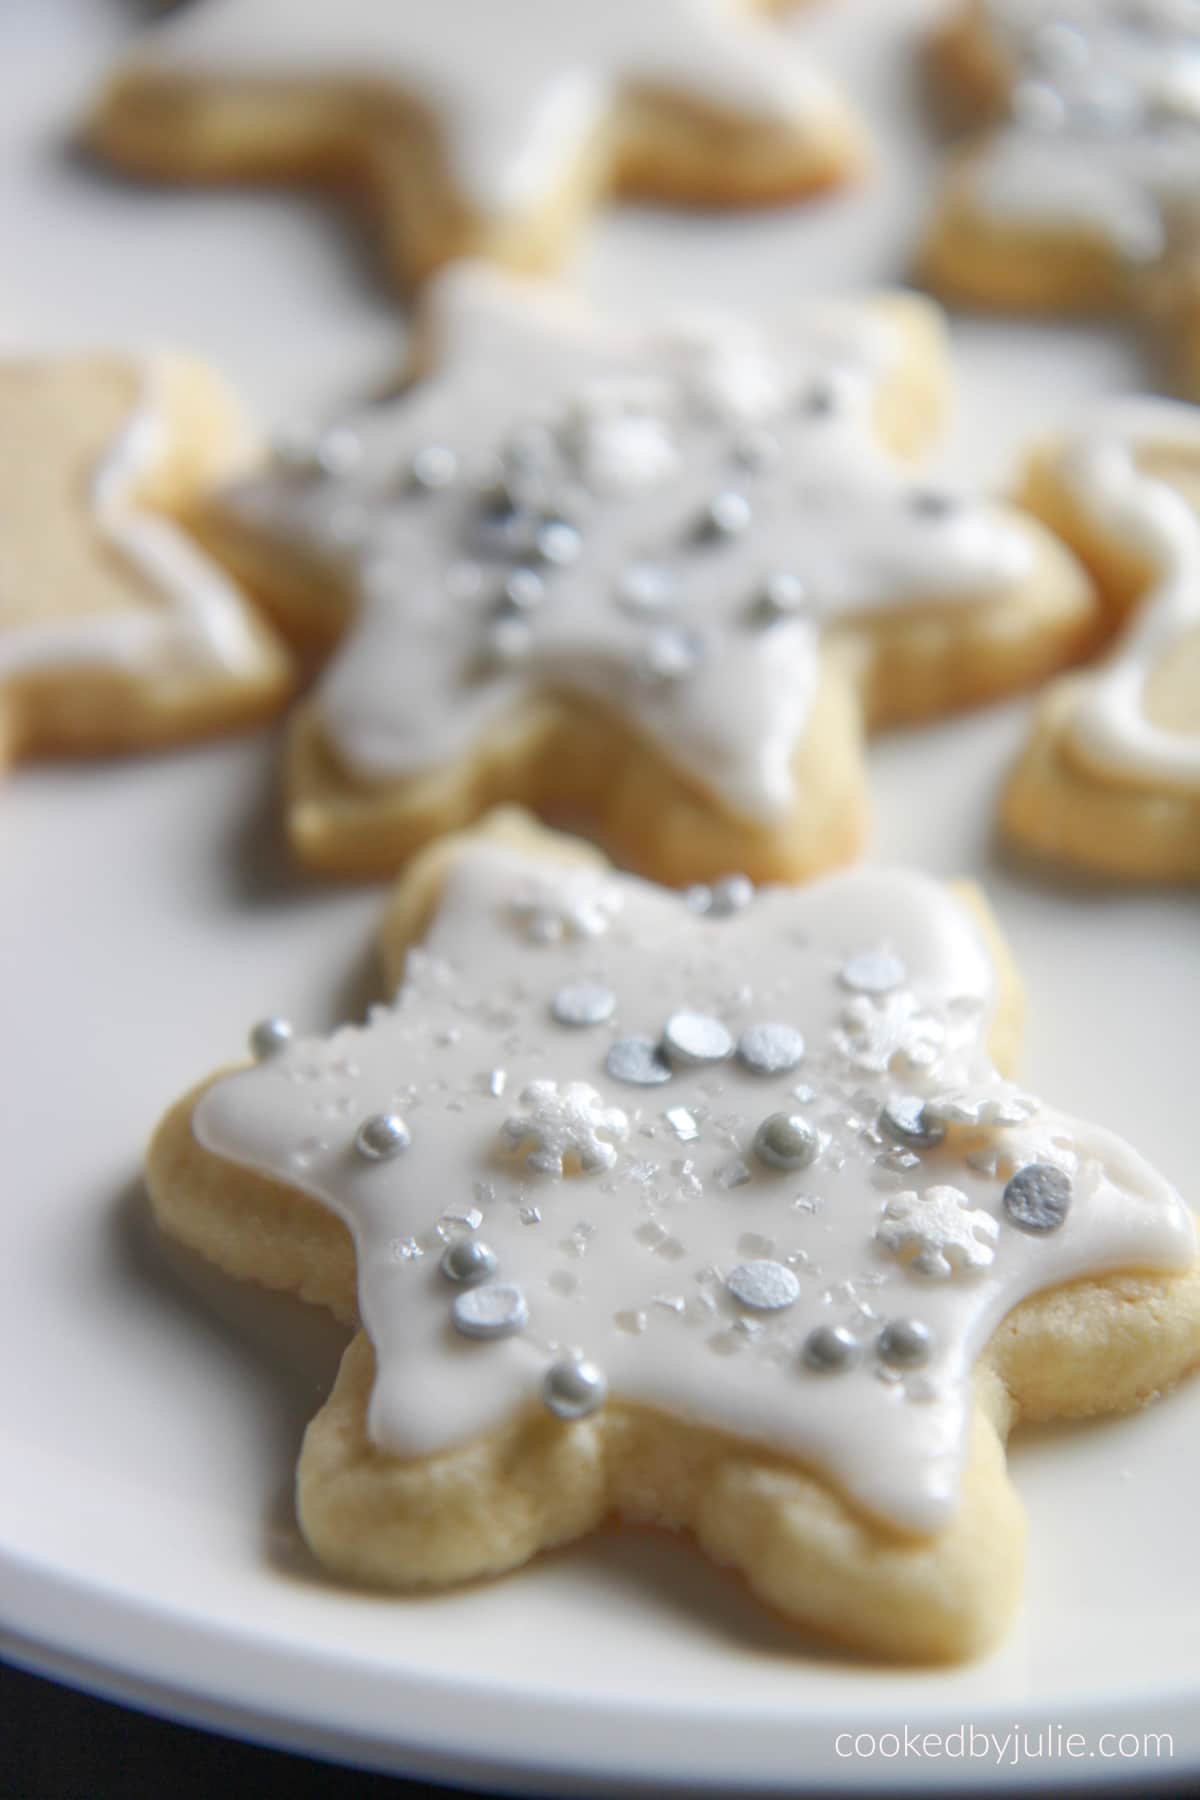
(152, 1412)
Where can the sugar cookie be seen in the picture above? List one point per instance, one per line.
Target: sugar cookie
(1085, 193)
(116, 631)
(699, 1215)
(482, 129)
(1110, 779)
(652, 576)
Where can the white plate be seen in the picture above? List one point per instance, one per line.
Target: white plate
(152, 1412)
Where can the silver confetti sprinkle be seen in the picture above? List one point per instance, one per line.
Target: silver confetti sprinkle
(573, 1388)
(1038, 1198)
(763, 1285)
(269, 1037)
(692, 1039)
(907, 1121)
(637, 1060)
(872, 972)
(829, 1348)
(786, 1141)
(381, 1136)
(496, 1310)
(904, 1343)
(583, 1003)
(468, 1260)
(682, 1123)
(770, 1049)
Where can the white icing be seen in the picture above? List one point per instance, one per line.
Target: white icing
(202, 619)
(1104, 136)
(519, 89)
(630, 1264)
(1108, 725)
(633, 433)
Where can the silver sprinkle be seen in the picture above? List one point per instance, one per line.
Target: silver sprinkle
(381, 1136)
(782, 596)
(670, 654)
(727, 515)
(693, 1038)
(829, 1348)
(497, 1310)
(770, 1049)
(904, 1343)
(294, 445)
(757, 450)
(339, 450)
(499, 525)
(524, 589)
(583, 1003)
(269, 1037)
(933, 503)
(786, 1141)
(645, 588)
(432, 467)
(763, 1285)
(558, 542)
(1038, 106)
(637, 1060)
(819, 399)
(698, 898)
(468, 1260)
(509, 640)
(872, 972)
(907, 1121)
(1060, 47)
(730, 895)
(574, 1388)
(348, 522)
(1038, 1198)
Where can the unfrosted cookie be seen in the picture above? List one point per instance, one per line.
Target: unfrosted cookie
(653, 577)
(719, 1218)
(480, 128)
(116, 631)
(1084, 193)
(1110, 779)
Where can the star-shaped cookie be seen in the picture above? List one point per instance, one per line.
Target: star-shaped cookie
(479, 128)
(1085, 192)
(651, 576)
(723, 1221)
(116, 631)
(1110, 779)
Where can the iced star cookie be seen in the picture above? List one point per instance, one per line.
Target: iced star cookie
(1085, 191)
(1110, 779)
(481, 129)
(652, 577)
(116, 631)
(723, 1220)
